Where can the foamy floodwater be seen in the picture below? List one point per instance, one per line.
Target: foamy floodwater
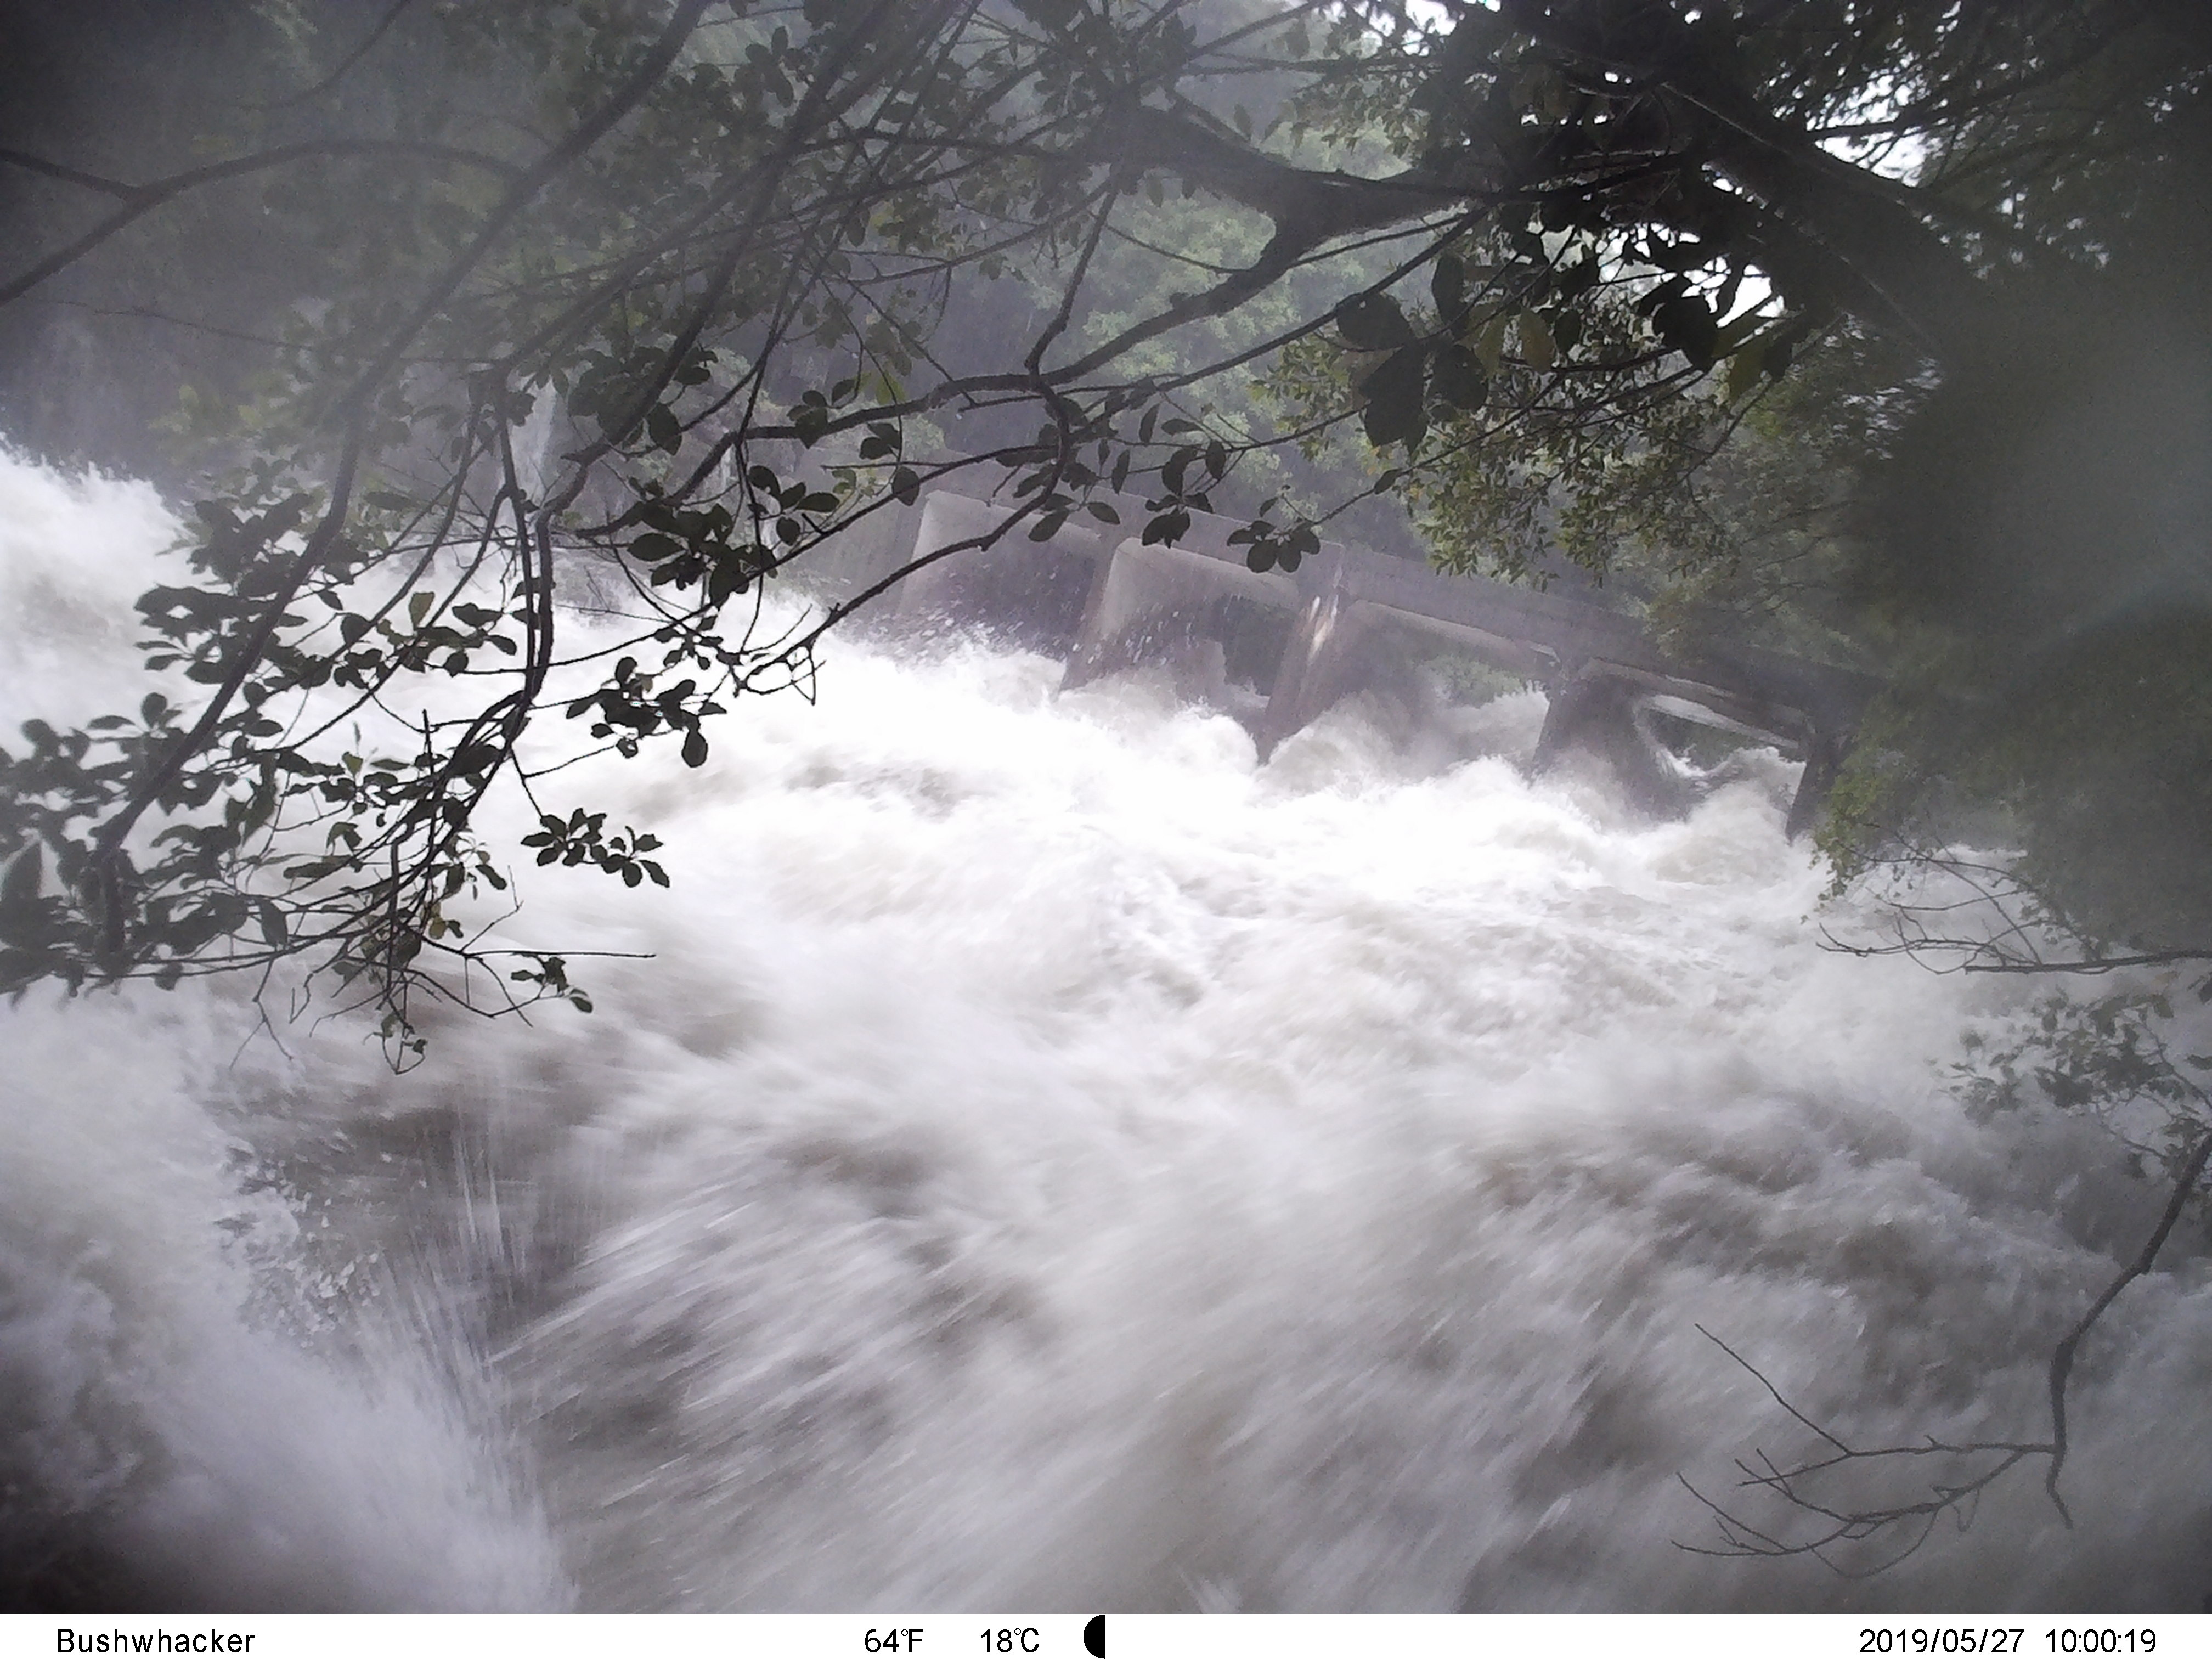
(1051, 1162)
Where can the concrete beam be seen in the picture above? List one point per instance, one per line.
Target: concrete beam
(1317, 657)
(1138, 602)
(1143, 600)
(1032, 591)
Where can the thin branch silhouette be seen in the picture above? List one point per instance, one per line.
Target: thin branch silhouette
(1913, 1520)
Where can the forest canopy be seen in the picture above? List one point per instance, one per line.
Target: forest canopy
(1876, 327)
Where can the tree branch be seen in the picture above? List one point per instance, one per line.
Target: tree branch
(2062, 1361)
(1858, 1524)
(139, 200)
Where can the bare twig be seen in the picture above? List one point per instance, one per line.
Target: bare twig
(1958, 1497)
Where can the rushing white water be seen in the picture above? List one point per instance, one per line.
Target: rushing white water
(1051, 1163)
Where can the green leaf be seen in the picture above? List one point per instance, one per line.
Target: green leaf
(1737, 330)
(1167, 528)
(695, 747)
(1744, 371)
(1577, 279)
(1490, 344)
(1458, 379)
(1395, 399)
(1448, 287)
(1373, 322)
(1685, 325)
(1537, 348)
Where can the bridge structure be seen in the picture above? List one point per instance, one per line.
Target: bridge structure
(1303, 640)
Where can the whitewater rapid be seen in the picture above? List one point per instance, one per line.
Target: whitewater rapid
(1049, 1161)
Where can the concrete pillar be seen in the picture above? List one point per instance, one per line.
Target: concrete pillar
(1594, 713)
(1146, 601)
(1030, 591)
(1125, 590)
(1317, 659)
(1825, 748)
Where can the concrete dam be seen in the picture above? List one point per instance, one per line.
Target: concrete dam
(1104, 601)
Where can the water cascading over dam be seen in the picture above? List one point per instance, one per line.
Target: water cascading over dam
(1050, 1161)
(1295, 639)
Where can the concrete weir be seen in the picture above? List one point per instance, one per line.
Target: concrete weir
(1303, 640)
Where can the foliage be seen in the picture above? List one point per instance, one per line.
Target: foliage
(2099, 747)
(679, 290)
(2110, 1058)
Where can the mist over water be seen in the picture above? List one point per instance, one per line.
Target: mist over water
(1049, 1161)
